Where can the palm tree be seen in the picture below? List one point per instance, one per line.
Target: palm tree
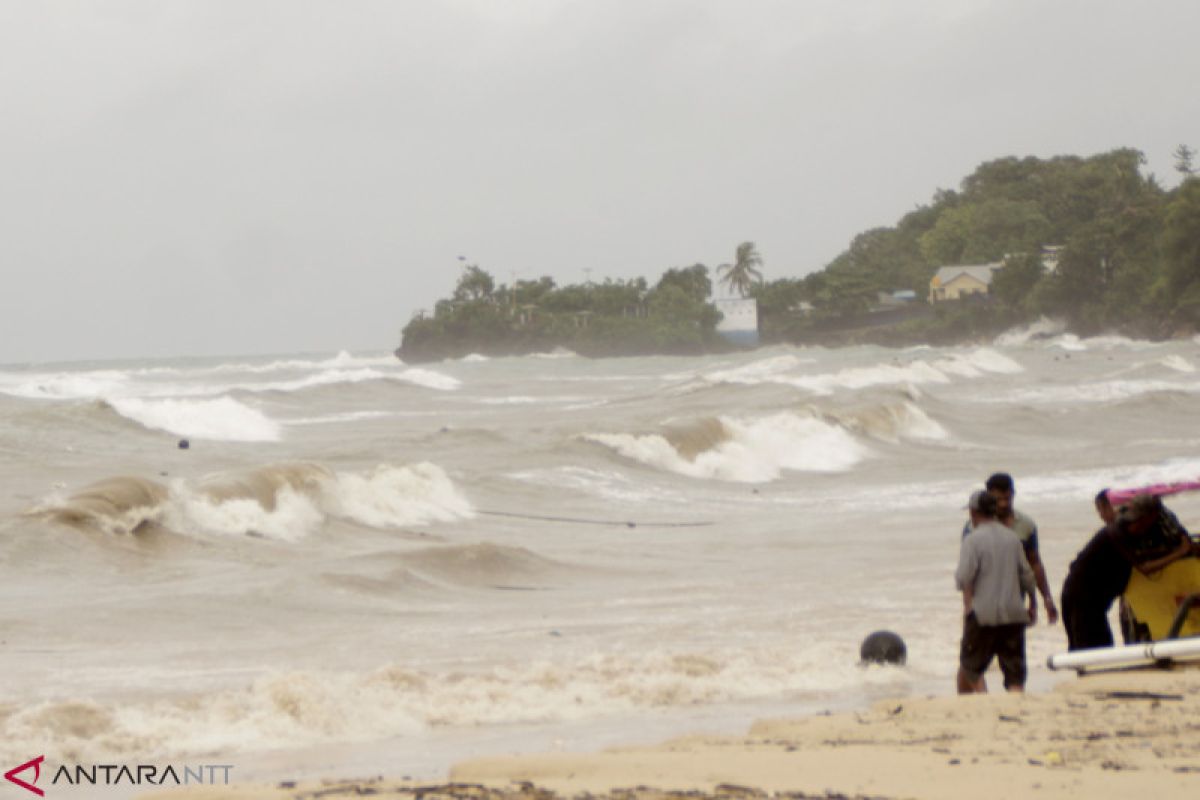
(743, 273)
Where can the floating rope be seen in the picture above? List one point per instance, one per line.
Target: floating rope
(589, 521)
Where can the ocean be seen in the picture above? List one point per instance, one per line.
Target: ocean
(359, 566)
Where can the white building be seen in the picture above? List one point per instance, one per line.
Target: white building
(739, 320)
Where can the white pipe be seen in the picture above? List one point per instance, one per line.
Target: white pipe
(1129, 655)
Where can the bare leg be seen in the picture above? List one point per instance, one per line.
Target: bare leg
(968, 686)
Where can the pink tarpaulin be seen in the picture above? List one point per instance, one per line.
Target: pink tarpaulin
(1120, 496)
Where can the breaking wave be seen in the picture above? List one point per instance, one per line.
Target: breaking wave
(221, 419)
(115, 505)
(788, 370)
(118, 384)
(1052, 334)
(281, 501)
(558, 352)
(1177, 363)
(744, 451)
(302, 708)
(1044, 328)
(892, 423)
(1111, 391)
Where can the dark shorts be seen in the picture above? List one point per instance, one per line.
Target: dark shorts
(981, 642)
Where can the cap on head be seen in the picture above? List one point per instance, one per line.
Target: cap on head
(982, 503)
(1000, 482)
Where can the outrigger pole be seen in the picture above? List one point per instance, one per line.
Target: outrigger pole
(1130, 655)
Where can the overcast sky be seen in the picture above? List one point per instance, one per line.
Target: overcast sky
(271, 176)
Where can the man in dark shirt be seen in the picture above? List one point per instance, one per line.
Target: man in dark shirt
(1143, 534)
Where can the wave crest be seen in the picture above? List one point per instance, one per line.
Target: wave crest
(280, 501)
(743, 451)
(220, 419)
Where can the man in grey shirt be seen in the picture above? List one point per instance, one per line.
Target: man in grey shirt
(993, 575)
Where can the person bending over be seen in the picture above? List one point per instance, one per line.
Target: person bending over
(1143, 534)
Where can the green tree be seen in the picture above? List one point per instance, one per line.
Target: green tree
(693, 281)
(1013, 283)
(1183, 160)
(744, 272)
(1181, 254)
(474, 284)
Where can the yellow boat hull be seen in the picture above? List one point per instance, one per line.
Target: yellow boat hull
(1154, 600)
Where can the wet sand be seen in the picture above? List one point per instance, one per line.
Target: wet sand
(1113, 735)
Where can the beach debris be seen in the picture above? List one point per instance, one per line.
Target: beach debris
(1119, 695)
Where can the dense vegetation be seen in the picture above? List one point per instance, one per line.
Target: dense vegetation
(609, 318)
(1129, 260)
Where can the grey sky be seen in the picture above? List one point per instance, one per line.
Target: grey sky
(189, 178)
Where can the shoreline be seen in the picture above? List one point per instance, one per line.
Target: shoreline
(1110, 735)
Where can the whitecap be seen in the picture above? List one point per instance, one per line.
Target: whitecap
(221, 419)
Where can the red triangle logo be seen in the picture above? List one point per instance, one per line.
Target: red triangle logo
(36, 763)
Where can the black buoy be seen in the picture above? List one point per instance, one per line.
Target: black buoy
(184, 444)
(883, 647)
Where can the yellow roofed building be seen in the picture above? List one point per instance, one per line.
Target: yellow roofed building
(954, 283)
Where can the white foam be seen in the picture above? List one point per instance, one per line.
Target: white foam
(758, 371)
(1096, 392)
(386, 497)
(1113, 341)
(63, 386)
(343, 360)
(391, 496)
(558, 352)
(608, 484)
(1042, 329)
(916, 372)
(474, 358)
(293, 517)
(429, 379)
(221, 419)
(757, 451)
(302, 708)
(332, 419)
(989, 360)
(916, 424)
(977, 363)
(1069, 342)
(784, 369)
(1177, 363)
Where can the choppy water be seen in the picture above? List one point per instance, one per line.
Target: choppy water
(354, 550)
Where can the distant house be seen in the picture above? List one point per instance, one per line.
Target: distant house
(953, 283)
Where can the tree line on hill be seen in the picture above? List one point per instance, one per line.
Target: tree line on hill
(1128, 259)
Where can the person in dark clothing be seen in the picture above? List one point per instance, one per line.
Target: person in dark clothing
(1142, 534)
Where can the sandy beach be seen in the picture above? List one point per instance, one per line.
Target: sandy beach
(1113, 735)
